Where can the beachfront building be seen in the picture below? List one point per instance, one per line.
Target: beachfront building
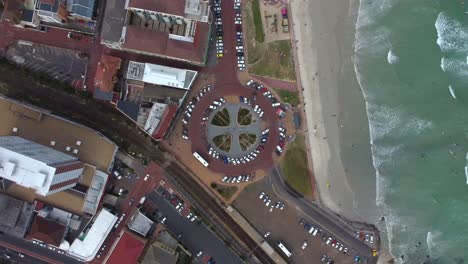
(177, 29)
(43, 169)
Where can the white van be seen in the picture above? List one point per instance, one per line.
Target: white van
(216, 103)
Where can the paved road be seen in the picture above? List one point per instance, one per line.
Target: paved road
(194, 236)
(335, 226)
(104, 118)
(34, 252)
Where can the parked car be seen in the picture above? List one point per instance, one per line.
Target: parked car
(304, 245)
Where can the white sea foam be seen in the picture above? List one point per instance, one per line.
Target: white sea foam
(466, 168)
(454, 66)
(452, 92)
(392, 58)
(370, 11)
(451, 35)
(385, 120)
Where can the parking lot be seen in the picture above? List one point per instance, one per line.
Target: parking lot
(193, 234)
(286, 225)
(64, 65)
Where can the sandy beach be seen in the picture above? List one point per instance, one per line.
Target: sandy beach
(335, 108)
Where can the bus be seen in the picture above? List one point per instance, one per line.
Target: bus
(284, 249)
(200, 159)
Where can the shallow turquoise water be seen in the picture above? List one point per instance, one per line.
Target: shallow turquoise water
(411, 61)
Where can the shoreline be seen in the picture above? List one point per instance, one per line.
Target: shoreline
(335, 110)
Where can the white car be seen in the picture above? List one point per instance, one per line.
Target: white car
(262, 194)
(146, 177)
(267, 234)
(199, 254)
(328, 240)
(268, 202)
(304, 245)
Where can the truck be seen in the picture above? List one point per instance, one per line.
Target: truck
(285, 22)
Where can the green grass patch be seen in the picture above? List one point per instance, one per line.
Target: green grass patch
(221, 118)
(257, 18)
(225, 191)
(247, 140)
(294, 167)
(278, 63)
(223, 142)
(288, 96)
(244, 117)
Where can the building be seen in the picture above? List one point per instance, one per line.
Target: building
(177, 29)
(106, 77)
(162, 251)
(16, 216)
(81, 9)
(43, 169)
(161, 75)
(87, 245)
(140, 224)
(53, 11)
(127, 250)
(152, 95)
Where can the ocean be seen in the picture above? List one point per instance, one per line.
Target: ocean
(411, 61)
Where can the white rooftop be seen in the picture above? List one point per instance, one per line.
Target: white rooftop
(26, 171)
(161, 75)
(87, 246)
(154, 117)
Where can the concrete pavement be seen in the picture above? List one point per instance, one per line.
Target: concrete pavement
(339, 228)
(193, 235)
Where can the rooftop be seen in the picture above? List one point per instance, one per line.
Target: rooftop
(140, 223)
(87, 245)
(46, 129)
(128, 249)
(47, 231)
(68, 200)
(114, 18)
(163, 251)
(16, 215)
(95, 191)
(175, 7)
(156, 42)
(160, 75)
(26, 163)
(106, 73)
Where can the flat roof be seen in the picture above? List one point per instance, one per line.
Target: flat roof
(16, 215)
(43, 128)
(140, 223)
(174, 7)
(68, 200)
(160, 75)
(156, 42)
(24, 162)
(107, 69)
(95, 191)
(113, 22)
(88, 243)
(128, 249)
